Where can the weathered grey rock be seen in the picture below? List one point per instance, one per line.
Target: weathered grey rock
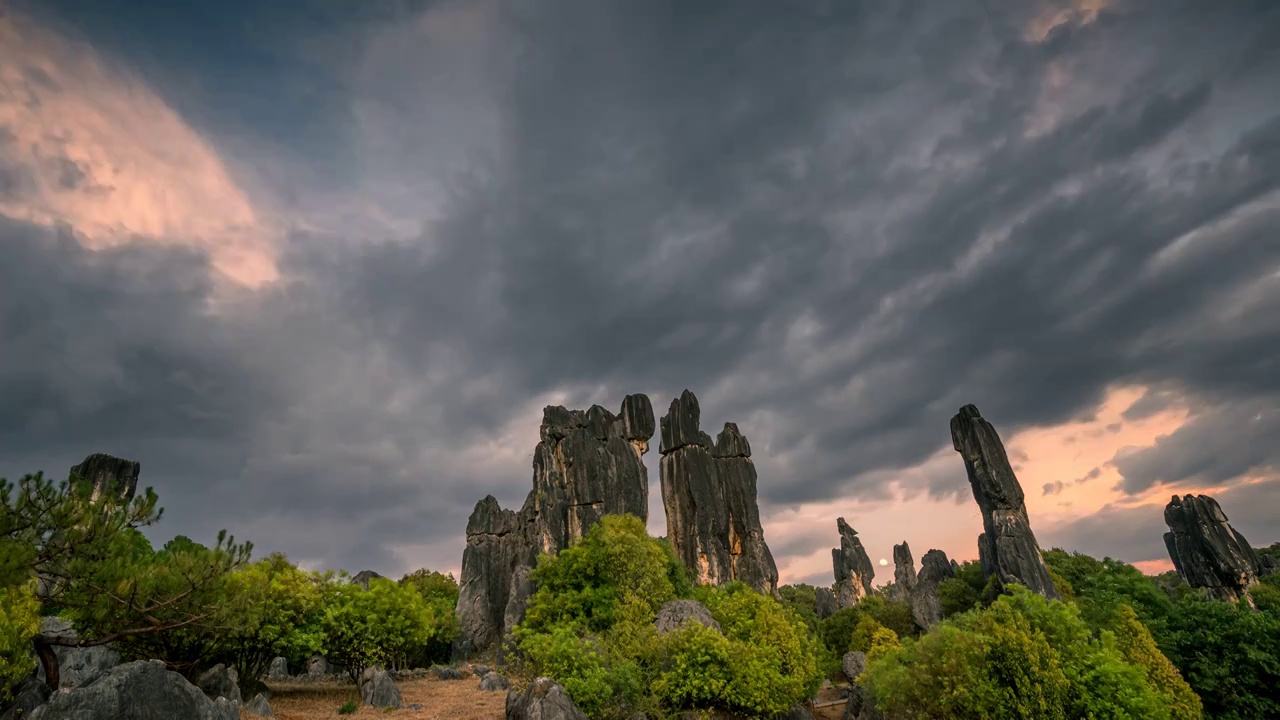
(904, 574)
(860, 705)
(853, 664)
(853, 568)
(278, 670)
(494, 681)
(140, 690)
(824, 603)
(76, 666)
(925, 606)
(1267, 565)
(675, 613)
(799, 712)
(217, 682)
(480, 670)
(586, 465)
(30, 693)
(318, 666)
(363, 577)
(544, 699)
(1207, 552)
(448, 673)
(709, 493)
(259, 706)
(377, 689)
(1007, 549)
(109, 475)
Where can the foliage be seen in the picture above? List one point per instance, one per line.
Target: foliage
(1229, 654)
(1023, 657)
(1266, 594)
(872, 638)
(802, 599)
(440, 592)
(1137, 646)
(590, 625)
(386, 624)
(962, 592)
(1102, 586)
(836, 632)
(19, 622)
(349, 708)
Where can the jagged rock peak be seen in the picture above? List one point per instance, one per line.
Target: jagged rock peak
(1207, 551)
(489, 518)
(853, 569)
(634, 422)
(1008, 549)
(710, 497)
(108, 474)
(926, 608)
(904, 573)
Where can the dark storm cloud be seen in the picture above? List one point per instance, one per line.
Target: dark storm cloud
(836, 222)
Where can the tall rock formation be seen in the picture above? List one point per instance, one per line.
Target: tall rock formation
(925, 606)
(1008, 549)
(853, 568)
(1207, 551)
(586, 465)
(108, 474)
(904, 573)
(709, 493)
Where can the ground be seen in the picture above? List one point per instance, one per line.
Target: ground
(440, 700)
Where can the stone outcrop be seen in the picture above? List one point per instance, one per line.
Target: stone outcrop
(925, 606)
(853, 664)
(140, 690)
(363, 577)
(544, 699)
(1207, 552)
(109, 475)
(30, 693)
(586, 465)
(709, 493)
(259, 706)
(494, 681)
(76, 666)
(824, 603)
(278, 670)
(218, 682)
(675, 613)
(1007, 548)
(853, 568)
(904, 574)
(378, 690)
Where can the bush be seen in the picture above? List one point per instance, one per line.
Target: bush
(19, 622)
(385, 624)
(1138, 647)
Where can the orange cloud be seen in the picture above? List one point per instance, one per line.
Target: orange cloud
(94, 147)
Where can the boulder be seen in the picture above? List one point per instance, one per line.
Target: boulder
(675, 613)
(587, 464)
(853, 664)
(259, 706)
(1206, 551)
(378, 690)
(904, 574)
(448, 673)
(544, 699)
(709, 494)
(860, 706)
(217, 682)
(853, 569)
(480, 670)
(30, 693)
(926, 608)
(140, 690)
(76, 666)
(1007, 549)
(824, 603)
(494, 681)
(799, 712)
(317, 667)
(278, 670)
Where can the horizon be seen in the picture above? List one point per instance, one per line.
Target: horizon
(319, 268)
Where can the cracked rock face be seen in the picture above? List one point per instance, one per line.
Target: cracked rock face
(824, 603)
(109, 475)
(586, 465)
(904, 574)
(709, 493)
(1007, 549)
(1207, 551)
(853, 568)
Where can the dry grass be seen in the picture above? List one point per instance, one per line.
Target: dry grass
(440, 700)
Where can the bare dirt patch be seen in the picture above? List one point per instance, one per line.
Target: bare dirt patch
(440, 700)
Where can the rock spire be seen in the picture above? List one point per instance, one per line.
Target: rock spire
(1207, 551)
(853, 568)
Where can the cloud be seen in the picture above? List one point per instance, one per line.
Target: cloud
(837, 223)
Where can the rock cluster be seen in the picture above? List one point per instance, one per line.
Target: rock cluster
(709, 493)
(1007, 549)
(853, 568)
(109, 475)
(136, 691)
(219, 682)
(76, 666)
(586, 465)
(1207, 551)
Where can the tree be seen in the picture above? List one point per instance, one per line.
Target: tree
(92, 563)
(440, 593)
(19, 623)
(386, 624)
(1138, 647)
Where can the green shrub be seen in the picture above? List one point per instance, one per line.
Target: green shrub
(385, 624)
(19, 622)
(1138, 647)
(349, 708)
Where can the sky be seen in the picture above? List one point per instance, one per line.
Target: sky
(319, 265)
